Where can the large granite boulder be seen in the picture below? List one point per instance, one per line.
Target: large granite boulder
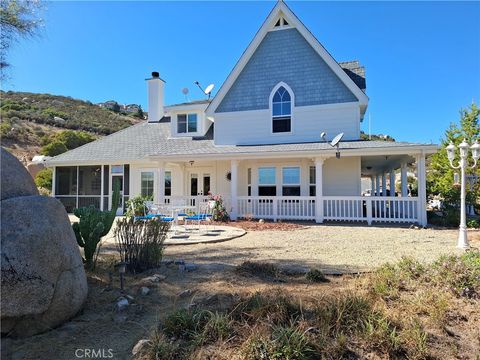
(15, 179)
(43, 280)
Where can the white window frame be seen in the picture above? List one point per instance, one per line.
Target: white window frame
(299, 184)
(187, 132)
(153, 180)
(292, 109)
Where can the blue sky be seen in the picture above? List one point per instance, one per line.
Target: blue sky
(422, 59)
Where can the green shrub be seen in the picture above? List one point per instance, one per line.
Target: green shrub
(290, 343)
(275, 307)
(140, 243)
(218, 327)
(54, 149)
(461, 275)
(43, 179)
(345, 314)
(473, 223)
(316, 275)
(136, 206)
(385, 282)
(186, 324)
(73, 138)
(52, 113)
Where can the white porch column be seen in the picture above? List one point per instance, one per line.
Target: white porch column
(234, 188)
(372, 184)
(384, 184)
(102, 205)
(160, 195)
(319, 190)
(422, 190)
(54, 180)
(254, 184)
(392, 182)
(377, 185)
(404, 179)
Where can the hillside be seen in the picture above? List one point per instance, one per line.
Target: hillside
(28, 117)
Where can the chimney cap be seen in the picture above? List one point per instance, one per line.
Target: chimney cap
(155, 76)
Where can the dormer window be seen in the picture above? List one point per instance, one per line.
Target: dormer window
(186, 123)
(281, 111)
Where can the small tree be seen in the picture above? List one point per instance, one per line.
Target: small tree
(53, 149)
(139, 113)
(43, 179)
(440, 177)
(18, 19)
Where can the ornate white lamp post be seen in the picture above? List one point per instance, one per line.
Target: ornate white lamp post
(462, 165)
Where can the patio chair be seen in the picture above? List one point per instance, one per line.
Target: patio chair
(205, 214)
(180, 202)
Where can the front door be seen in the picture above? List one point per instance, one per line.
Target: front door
(199, 183)
(118, 179)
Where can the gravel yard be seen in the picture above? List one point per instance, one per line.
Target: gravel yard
(333, 248)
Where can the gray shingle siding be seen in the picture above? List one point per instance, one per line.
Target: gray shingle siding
(285, 56)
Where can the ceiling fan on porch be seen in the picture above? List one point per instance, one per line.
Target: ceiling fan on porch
(335, 143)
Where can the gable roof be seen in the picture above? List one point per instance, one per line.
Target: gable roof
(281, 9)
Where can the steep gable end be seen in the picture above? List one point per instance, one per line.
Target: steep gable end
(278, 40)
(285, 56)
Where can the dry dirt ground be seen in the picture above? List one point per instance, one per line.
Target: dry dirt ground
(100, 327)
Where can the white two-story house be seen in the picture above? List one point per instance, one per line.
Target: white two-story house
(258, 142)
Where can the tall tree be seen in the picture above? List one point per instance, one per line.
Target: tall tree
(441, 174)
(18, 19)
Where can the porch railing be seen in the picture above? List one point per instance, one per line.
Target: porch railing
(277, 207)
(335, 208)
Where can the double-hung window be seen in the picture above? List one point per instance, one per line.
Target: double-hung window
(312, 181)
(186, 123)
(146, 181)
(281, 111)
(267, 181)
(291, 181)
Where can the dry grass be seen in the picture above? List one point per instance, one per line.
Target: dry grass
(399, 311)
(403, 310)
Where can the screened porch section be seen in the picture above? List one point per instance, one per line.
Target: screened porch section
(81, 186)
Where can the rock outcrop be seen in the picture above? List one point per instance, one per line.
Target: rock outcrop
(43, 280)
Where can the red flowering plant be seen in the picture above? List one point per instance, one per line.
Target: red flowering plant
(219, 212)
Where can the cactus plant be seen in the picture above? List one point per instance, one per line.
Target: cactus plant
(93, 225)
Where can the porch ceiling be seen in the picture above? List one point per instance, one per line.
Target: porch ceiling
(372, 165)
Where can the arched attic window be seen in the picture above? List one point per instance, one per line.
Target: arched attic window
(281, 110)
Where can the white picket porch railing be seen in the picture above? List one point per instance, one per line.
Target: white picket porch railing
(335, 208)
(277, 207)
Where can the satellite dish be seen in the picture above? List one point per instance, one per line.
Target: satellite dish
(209, 89)
(185, 91)
(322, 136)
(336, 140)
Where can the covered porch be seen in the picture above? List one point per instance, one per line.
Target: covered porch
(355, 187)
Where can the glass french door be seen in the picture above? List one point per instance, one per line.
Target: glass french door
(199, 184)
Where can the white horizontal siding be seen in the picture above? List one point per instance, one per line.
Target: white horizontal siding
(255, 127)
